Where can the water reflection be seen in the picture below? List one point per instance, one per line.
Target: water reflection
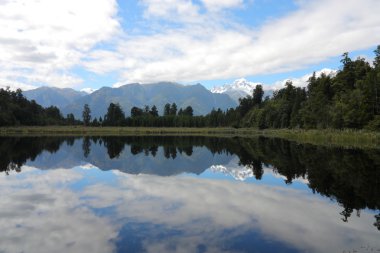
(139, 211)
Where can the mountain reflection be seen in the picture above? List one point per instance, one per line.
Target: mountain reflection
(350, 176)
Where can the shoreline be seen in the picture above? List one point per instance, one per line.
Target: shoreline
(326, 137)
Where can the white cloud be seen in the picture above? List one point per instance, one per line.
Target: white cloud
(14, 85)
(301, 81)
(41, 40)
(43, 215)
(213, 50)
(180, 10)
(215, 5)
(88, 90)
(214, 206)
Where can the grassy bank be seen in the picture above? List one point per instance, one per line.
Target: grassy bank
(115, 131)
(344, 138)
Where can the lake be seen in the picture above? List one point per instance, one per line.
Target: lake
(186, 194)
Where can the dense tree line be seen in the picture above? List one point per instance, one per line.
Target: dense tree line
(16, 110)
(350, 99)
(150, 117)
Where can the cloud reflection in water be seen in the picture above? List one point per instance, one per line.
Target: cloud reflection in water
(168, 214)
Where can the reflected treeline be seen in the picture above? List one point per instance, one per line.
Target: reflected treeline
(172, 145)
(14, 152)
(351, 176)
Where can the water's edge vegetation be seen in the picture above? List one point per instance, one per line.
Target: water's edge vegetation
(331, 137)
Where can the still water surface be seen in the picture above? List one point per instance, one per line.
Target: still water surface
(186, 194)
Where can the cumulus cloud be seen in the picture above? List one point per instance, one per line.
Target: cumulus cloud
(41, 40)
(184, 10)
(214, 5)
(42, 215)
(314, 32)
(301, 81)
(196, 208)
(182, 40)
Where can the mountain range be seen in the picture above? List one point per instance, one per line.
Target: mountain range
(47, 96)
(69, 156)
(201, 99)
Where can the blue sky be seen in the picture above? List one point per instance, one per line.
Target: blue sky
(90, 44)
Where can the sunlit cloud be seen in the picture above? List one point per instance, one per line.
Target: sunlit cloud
(47, 42)
(41, 41)
(221, 205)
(306, 36)
(43, 215)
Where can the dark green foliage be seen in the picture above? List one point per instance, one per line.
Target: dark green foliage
(167, 110)
(188, 111)
(374, 125)
(86, 115)
(348, 100)
(135, 112)
(16, 110)
(154, 111)
(173, 109)
(95, 123)
(70, 119)
(115, 115)
(258, 94)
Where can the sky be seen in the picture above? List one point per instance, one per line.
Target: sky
(84, 44)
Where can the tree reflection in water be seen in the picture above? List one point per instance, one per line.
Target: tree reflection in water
(350, 176)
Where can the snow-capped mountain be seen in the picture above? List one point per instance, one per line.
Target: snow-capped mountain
(242, 87)
(238, 89)
(241, 84)
(88, 90)
(240, 173)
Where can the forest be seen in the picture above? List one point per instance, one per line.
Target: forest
(349, 99)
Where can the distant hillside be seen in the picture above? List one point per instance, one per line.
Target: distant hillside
(47, 96)
(197, 96)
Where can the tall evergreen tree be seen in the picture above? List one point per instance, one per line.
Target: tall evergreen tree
(136, 112)
(173, 109)
(115, 115)
(167, 109)
(86, 115)
(153, 111)
(188, 111)
(258, 94)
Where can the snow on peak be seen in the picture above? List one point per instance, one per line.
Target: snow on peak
(238, 173)
(240, 84)
(88, 90)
